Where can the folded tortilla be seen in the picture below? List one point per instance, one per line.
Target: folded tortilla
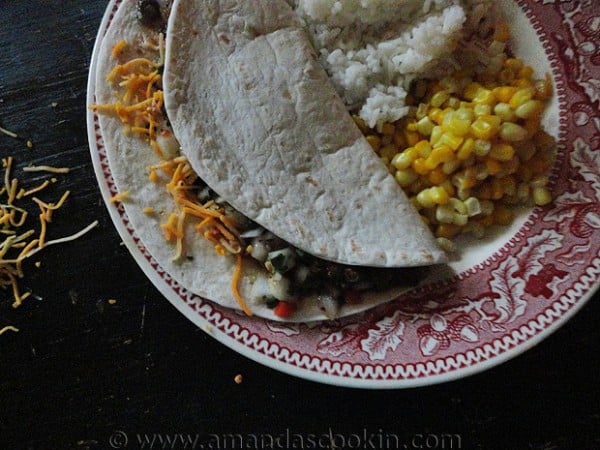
(205, 273)
(262, 125)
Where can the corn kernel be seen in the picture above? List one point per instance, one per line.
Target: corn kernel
(505, 112)
(513, 63)
(521, 96)
(420, 167)
(526, 72)
(447, 185)
(504, 93)
(458, 205)
(439, 155)
(360, 123)
(502, 152)
(435, 115)
(473, 206)
(521, 83)
(387, 129)
(481, 147)
(405, 177)
(437, 176)
(512, 132)
(486, 127)
(446, 244)
(506, 75)
(444, 214)
(462, 180)
(439, 98)
(541, 196)
(529, 109)
(492, 166)
(451, 166)
(453, 103)
(402, 160)
(374, 141)
(466, 148)
(388, 151)
(484, 97)
(425, 126)
(455, 125)
(439, 195)
(436, 134)
(471, 91)
(412, 137)
(460, 219)
(425, 200)
(421, 111)
(411, 126)
(447, 230)
(423, 148)
(399, 140)
(482, 110)
(464, 113)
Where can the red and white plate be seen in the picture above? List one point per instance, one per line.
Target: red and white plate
(504, 295)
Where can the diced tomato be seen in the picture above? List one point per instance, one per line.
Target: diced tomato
(284, 309)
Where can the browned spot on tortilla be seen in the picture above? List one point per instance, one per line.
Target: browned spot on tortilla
(224, 38)
(312, 182)
(286, 94)
(195, 33)
(355, 248)
(248, 86)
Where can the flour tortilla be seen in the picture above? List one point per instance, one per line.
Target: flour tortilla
(207, 274)
(262, 125)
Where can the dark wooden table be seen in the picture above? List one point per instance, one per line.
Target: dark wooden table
(83, 373)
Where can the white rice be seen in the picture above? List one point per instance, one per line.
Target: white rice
(374, 49)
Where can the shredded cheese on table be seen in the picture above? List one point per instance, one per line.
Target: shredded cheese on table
(18, 244)
(46, 169)
(9, 133)
(8, 328)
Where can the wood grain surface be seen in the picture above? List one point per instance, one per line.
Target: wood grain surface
(82, 370)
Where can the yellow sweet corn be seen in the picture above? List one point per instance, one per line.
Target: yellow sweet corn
(472, 146)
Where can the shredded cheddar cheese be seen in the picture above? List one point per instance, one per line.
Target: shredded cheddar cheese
(46, 169)
(9, 133)
(20, 245)
(8, 328)
(120, 197)
(139, 107)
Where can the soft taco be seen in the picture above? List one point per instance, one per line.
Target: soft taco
(261, 123)
(192, 230)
